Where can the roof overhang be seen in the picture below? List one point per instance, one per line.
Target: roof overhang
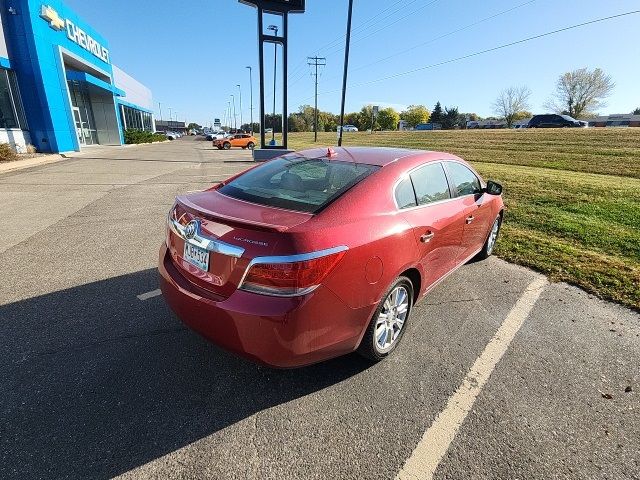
(85, 77)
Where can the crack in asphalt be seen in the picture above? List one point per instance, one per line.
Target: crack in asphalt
(162, 331)
(476, 299)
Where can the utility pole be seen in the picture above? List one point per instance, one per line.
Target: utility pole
(240, 90)
(316, 62)
(251, 95)
(346, 69)
(235, 117)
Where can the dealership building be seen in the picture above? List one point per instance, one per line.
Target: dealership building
(59, 89)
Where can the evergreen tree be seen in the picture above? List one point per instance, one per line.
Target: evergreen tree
(437, 115)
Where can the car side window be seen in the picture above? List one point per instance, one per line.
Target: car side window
(430, 184)
(405, 196)
(463, 180)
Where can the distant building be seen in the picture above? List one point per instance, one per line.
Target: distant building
(617, 120)
(486, 124)
(170, 126)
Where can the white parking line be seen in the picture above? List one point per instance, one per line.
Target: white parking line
(148, 295)
(434, 443)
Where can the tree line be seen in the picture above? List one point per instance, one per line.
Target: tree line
(579, 93)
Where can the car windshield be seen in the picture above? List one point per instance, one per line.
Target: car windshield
(301, 184)
(567, 117)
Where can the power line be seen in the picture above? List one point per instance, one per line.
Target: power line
(402, 52)
(359, 39)
(359, 27)
(488, 50)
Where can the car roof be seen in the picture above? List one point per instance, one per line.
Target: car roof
(379, 156)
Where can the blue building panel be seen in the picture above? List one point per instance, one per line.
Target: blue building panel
(49, 45)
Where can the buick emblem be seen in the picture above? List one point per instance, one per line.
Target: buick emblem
(191, 229)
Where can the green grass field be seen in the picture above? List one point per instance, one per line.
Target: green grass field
(572, 197)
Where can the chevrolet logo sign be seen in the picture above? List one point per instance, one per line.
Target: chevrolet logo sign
(51, 16)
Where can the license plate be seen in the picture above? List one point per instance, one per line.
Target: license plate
(196, 256)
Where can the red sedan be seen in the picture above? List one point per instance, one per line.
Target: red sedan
(320, 253)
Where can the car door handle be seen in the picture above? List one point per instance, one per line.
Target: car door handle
(426, 238)
(470, 219)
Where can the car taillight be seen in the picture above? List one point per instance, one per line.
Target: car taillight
(177, 214)
(291, 276)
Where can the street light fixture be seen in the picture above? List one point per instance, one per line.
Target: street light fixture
(251, 95)
(274, 28)
(240, 89)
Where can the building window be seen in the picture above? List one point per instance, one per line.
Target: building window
(134, 119)
(11, 111)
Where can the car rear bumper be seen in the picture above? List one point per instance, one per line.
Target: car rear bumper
(277, 331)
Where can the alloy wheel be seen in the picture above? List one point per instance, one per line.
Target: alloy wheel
(391, 319)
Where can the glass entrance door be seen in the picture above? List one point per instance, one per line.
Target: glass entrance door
(78, 122)
(82, 114)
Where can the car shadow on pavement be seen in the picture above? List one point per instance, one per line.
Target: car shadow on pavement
(96, 382)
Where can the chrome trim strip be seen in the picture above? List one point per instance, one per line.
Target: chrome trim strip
(202, 241)
(301, 257)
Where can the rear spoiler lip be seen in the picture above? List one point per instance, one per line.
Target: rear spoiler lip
(240, 221)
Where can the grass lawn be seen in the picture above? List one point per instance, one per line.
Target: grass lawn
(572, 196)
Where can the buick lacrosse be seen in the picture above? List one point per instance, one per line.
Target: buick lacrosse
(323, 252)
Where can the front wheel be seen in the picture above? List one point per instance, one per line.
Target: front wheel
(226, 145)
(490, 243)
(251, 145)
(388, 322)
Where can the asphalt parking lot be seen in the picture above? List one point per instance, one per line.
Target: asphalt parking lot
(500, 375)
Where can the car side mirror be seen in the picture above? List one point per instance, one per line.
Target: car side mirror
(493, 188)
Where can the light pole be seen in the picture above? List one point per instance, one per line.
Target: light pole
(240, 90)
(274, 28)
(169, 124)
(251, 96)
(235, 118)
(160, 108)
(229, 116)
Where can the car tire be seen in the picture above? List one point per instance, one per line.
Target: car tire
(492, 238)
(251, 145)
(226, 145)
(376, 344)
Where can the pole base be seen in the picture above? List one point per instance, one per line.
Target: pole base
(266, 154)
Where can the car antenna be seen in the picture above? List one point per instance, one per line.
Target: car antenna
(355, 164)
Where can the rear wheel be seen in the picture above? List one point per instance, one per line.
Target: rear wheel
(487, 249)
(388, 322)
(226, 145)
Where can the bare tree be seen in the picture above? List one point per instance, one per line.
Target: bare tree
(510, 101)
(580, 92)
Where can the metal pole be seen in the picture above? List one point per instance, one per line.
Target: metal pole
(235, 117)
(275, 62)
(251, 96)
(160, 108)
(315, 119)
(261, 75)
(346, 68)
(285, 55)
(240, 89)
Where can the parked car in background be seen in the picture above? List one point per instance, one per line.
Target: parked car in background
(348, 128)
(215, 135)
(273, 263)
(553, 121)
(242, 140)
(171, 135)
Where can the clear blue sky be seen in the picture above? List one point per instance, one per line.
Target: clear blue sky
(192, 54)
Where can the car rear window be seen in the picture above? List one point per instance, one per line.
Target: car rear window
(304, 185)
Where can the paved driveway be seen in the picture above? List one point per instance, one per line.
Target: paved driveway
(501, 375)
